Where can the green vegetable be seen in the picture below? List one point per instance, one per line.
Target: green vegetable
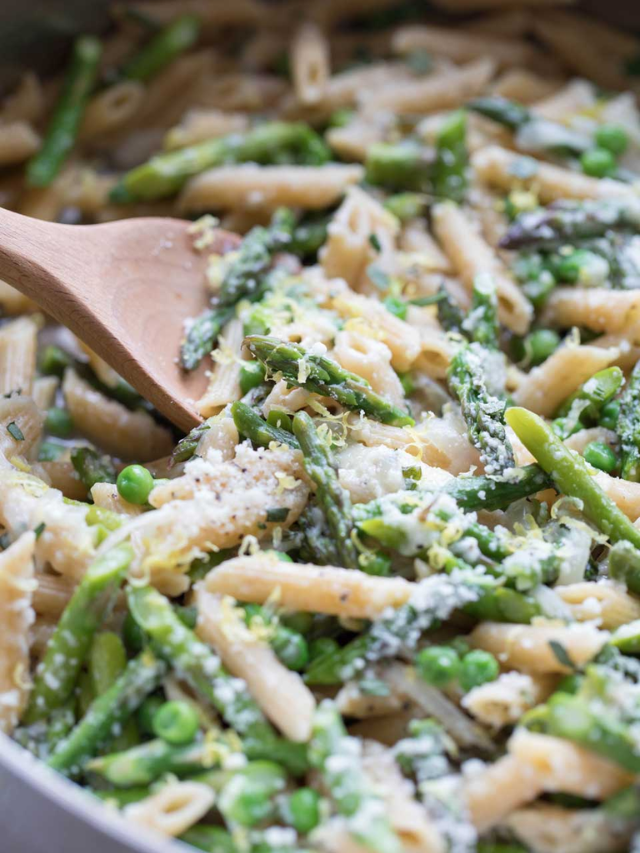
(613, 138)
(481, 324)
(147, 710)
(540, 344)
(135, 484)
(53, 361)
(566, 222)
(598, 162)
(164, 47)
(58, 422)
(291, 648)
(176, 723)
(406, 206)
(600, 456)
(347, 784)
(624, 565)
(301, 810)
(246, 278)
(450, 167)
(60, 135)
(321, 375)
(251, 375)
(14, 431)
(211, 839)
(571, 475)
(333, 499)
(398, 166)
(269, 143)
(584, 406)
(438, 665)
(250, 425)
(510, 114)
(107, 713)
(247, 799)
(92, 467)
(57, 676)
(609, 414)
(107, 662)
(483, 412)
(477, 668)
(628, 428)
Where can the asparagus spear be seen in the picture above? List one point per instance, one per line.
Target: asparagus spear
(323, 376)
(245, 279)
(178, 645)
(143, 764)
(450, 167)
(202, 334)
(272, 142)
(584, 406)
(164, 47)
(331, 752)
(60, 136)
(578, 719)
(436, 598)
(257, 430)
(401, 166)
(185, 449)
(482, 411)
(108, 713)
(533, 133)
(450, 316)
(333, 499)
(482, 492)
(57, 675)
(567, 222)
(92, 467)
(628, 427)
(624, 565)
(107, 662)
(509, 114)
(571, 475)
(481, 324)
(211, 839)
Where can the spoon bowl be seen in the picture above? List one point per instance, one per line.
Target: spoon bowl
(125, 288)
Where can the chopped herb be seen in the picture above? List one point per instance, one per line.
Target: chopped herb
(378, 277)
(14, 431)
(375, 242)
(39, 530)
(419, 61)
(561, 654)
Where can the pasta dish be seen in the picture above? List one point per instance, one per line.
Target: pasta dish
(386, 596)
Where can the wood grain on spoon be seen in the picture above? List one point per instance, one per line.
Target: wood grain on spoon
(125, 288)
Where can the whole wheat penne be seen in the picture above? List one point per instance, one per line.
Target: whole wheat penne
(310, 187)
(323, 589)
(560, 375)
(18, 341)
(606, 603)
(507, 170)
(596, 308)
(310, 64)
(281, 693)
(461, 46)
(527, 647)
(16, 618)
(113, 426)
(176, 807)
(471, 256)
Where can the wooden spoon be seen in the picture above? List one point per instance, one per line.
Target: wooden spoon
(125, 288)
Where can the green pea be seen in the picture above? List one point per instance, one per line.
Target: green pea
(600, 456)
(537, 290)
(246, 799)
(176, 723)
(322, 646)
(134, 484)
(396, 306)
(540, 344)
(53, 361)
(58, 422)
(609, 414)
(406, 206)
(301, 810)
(291, 648)
(460, 645)
(478, 667)
(251, 375)
(613, 138)
(147, 711)
(438, 665)
(598, 162)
